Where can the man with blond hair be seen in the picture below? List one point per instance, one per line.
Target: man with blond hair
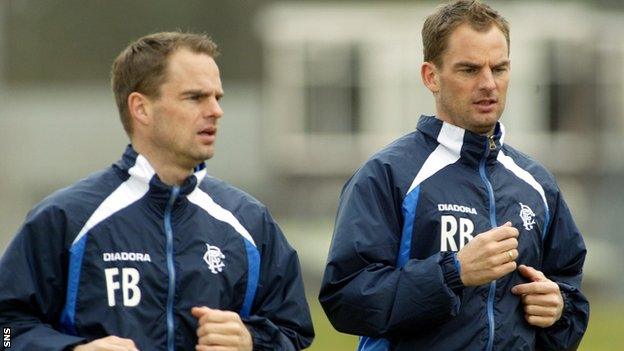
(153, 253)
(450, 239)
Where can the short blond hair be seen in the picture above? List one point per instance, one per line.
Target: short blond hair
(440, 24)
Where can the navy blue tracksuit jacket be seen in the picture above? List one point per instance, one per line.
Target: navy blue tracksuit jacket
(392, 274)
(121, 253)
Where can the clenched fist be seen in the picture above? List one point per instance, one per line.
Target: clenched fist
(489, 255)
(221, 331)
(109, 343)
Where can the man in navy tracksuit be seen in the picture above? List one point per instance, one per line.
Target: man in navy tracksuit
(152, 253)
(450, 239)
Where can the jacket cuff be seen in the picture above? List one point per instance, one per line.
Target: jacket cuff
(568, 308)
(451, 270)
(266, 336)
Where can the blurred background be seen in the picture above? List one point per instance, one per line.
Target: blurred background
(313, 88)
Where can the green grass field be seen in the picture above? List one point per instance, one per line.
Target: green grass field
(605, 332)
(606, 327)
(327, 338)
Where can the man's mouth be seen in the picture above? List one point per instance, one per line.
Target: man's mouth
(486, 105)
(208, 131)
(485, 102)
(208, 135)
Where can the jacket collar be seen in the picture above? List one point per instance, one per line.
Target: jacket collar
(137, 166)
(471, 147)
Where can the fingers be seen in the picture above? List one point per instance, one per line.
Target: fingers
(217, 316)
(539, 311)
(115, 343)
(539, 321)
(109, 343)
(505, 257)
(499, 271)
(551, 299)
(221, 330)
(239, 339)
(213, 348)
(541, 316)
(198, 312)
(532, 273)
(503, 232)
(498, 240)
(542, 300)
(218, 339)
(232, 340)
(218, 328)
(213, 315)
(489, 256)
(505, 245)
(536, 288)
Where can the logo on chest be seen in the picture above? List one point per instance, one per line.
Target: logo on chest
(214, 259)
(527, 215)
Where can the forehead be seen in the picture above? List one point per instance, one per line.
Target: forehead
(185, 67)
(467, 44)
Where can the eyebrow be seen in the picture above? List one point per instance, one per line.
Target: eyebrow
(466, 64)
(200, 93)
(503, 64)
(469, 64)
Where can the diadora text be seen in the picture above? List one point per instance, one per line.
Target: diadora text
(126, 256)
(456, 208)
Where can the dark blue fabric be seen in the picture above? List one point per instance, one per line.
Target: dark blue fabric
(409, 213)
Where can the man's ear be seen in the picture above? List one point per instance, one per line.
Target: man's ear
(140, 108)
(430, 76)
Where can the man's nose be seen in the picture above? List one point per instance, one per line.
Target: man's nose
(486, 80)
(214, 109)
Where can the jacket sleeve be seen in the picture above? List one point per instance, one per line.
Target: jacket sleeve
(363, 291)
(32, 284)
(280, 317)
(564, 255)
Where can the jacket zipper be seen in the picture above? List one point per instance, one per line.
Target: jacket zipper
(170, 269)
(489, 145)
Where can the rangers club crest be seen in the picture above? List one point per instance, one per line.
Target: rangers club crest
(214, 259)
(527, 215)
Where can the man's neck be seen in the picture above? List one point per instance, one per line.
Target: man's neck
(450, 121)
(169, 172)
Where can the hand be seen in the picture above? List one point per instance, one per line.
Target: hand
(109, 343)
(221, 331)
(543, 303)
(489, 255)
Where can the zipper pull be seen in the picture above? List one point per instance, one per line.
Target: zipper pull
(491, 142)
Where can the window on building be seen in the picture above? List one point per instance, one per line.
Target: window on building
(573, 86)
(332, 89)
